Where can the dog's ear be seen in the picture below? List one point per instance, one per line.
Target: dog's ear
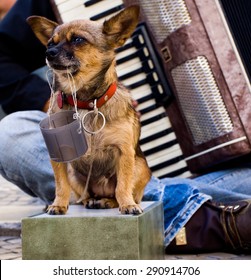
(120, 27)
(42, 27)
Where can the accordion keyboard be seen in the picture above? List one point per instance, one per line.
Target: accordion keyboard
(90, 9)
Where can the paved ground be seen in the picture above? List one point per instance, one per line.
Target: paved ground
(15, 205)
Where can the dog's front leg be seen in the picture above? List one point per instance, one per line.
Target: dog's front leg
(125, 187)
(63, 190)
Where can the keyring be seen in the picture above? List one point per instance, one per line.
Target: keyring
(89, 131)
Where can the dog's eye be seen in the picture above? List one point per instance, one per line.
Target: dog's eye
(77, 39)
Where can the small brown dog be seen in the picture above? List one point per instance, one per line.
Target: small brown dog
(119, 171)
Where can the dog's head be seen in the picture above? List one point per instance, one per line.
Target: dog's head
(83, 47)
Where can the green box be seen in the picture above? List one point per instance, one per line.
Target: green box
(95, 234)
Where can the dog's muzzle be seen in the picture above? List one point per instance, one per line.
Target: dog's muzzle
(60, 59)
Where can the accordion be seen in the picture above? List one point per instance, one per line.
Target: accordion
(208, 75)
(188, 66)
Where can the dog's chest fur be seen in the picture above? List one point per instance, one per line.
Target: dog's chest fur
(101, 156)
(100, 161)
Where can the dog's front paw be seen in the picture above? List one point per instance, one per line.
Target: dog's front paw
(90, 203)
(56, 210)
(131, 209)
(108, 203)
(103, 203)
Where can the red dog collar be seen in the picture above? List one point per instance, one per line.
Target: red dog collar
(68, 99)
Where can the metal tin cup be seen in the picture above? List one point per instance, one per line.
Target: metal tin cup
(62, 137)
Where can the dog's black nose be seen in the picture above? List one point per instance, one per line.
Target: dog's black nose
(51, 53)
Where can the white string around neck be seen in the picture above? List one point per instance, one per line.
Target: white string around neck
(51, 81)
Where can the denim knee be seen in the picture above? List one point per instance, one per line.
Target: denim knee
(24, 159)
(6, 136)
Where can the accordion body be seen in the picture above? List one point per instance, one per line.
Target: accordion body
(194, 95)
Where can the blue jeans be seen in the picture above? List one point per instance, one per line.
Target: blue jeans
(24, 161)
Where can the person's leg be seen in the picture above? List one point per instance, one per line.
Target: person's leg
(193, 223)
(24, 159)
(222, 224)
(181, 200)
(229, 185)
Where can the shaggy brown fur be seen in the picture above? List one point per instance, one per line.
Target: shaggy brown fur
(86, 50)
